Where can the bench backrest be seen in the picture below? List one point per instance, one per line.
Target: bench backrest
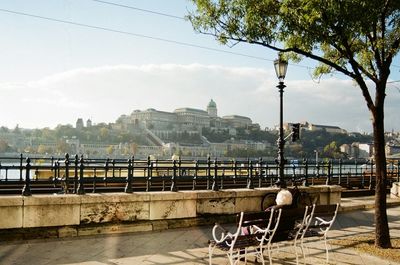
(259, 219)
(289, 219)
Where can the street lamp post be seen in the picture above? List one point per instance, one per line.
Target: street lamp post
(280, 69)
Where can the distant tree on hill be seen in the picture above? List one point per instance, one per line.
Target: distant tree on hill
(332, 150)
(4, 147)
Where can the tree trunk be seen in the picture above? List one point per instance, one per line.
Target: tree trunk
(382, 236)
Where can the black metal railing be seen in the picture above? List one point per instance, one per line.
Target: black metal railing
(26, 176)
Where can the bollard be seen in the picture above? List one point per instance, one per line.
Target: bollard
(26, 191)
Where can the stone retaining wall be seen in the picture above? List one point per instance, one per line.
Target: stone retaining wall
(70, 213)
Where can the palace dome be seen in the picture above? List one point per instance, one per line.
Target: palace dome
(211, 104)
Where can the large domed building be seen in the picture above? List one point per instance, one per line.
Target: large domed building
(212, 109)
(187, 119)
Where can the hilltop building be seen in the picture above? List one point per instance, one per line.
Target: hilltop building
(79, 124)
(181, 131)
(358, 150)
(316, 127)
(184, 119)
(212, 109)
(89, 123)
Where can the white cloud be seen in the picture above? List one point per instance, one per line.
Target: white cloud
(104, 93)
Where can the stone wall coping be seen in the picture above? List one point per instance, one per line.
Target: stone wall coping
(322, 188)
(52, 199)
(71, 209)
(172, 195)
(216, 194)
(11, 201)
(258, 191)
(114, 197)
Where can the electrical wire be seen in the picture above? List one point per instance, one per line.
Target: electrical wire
(173, 16)
(142, 35)
(139, 9)
(134, 34)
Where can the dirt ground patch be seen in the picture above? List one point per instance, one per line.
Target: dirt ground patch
(366, 244)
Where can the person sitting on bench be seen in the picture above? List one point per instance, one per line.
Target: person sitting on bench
(283, 199)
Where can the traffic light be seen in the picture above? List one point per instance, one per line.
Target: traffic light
(295, 132)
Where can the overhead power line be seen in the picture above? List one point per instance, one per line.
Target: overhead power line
(135, 35)
(171, 16)
(139, 9)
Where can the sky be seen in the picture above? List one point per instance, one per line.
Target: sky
(54, 73)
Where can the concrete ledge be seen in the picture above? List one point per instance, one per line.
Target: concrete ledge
(114, 197)
(9, 201)
(40, 200)
(364, 203)
(51, 210)
(11, 212)
(165, 209)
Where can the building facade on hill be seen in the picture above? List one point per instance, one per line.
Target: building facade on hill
(212, 109)
(192, 118)
(358, 150)
(316, 127)
(237, 121)
(392, 149)
(79, 124)
(185, 119)
(152, 118)
(327, 128)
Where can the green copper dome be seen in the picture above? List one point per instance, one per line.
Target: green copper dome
(211, 104)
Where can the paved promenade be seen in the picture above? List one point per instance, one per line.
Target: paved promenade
(189, 245)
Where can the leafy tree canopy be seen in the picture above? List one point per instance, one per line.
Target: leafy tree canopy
(338, 34)
(359, 38)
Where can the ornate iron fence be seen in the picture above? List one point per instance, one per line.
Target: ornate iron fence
(26, 176)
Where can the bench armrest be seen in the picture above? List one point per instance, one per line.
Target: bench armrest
(321, 221)
(224, 233)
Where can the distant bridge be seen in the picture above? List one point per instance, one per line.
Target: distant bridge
(76, 175)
